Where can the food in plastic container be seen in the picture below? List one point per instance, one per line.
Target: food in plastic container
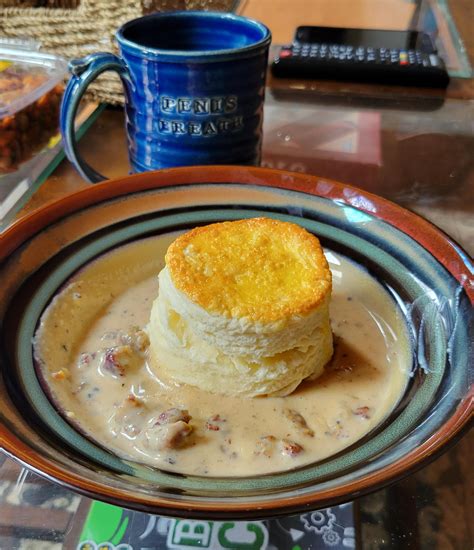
(31, 86)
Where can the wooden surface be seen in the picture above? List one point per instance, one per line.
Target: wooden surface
(283, 16)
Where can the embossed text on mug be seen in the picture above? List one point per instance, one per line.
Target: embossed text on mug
(208, 106)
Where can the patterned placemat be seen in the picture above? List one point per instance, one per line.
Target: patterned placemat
(112, 528)
(38, 515)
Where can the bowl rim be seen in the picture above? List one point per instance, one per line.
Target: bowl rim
(434, 240)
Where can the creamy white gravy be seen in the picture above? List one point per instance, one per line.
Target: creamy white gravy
(102, 308)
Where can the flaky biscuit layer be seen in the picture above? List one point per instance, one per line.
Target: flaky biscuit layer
(178, 353)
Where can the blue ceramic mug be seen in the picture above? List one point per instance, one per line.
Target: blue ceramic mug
(194, 87)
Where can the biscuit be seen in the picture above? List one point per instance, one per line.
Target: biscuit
(243, 308)
(269, 269)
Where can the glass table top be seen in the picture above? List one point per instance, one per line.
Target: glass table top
(414, 150)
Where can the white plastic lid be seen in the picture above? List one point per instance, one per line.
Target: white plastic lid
(25, 76)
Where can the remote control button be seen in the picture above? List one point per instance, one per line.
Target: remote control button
(403, 58)
(435, 62)
(285, 53)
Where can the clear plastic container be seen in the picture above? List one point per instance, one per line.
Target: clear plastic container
(31, 86)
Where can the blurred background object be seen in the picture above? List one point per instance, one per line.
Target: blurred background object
(430, 16)
(363, 14)
(30, 94)
(75, 28)
(31, 88)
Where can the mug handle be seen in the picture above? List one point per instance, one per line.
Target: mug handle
(83, 72)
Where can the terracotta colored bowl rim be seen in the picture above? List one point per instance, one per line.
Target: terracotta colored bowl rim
(442, 247)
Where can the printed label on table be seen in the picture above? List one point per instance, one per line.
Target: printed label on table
(108, 527)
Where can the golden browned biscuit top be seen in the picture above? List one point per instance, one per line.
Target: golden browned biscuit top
(259, 268)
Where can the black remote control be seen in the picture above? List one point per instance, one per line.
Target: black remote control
(361, 61)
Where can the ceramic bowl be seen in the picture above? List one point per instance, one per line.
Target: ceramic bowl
(429, 276)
